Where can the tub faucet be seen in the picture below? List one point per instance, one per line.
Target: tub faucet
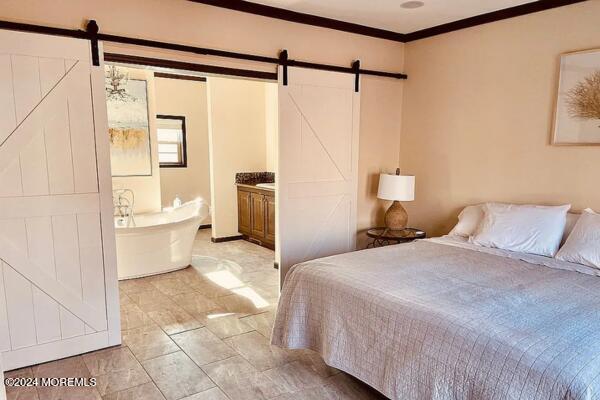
(123, 201)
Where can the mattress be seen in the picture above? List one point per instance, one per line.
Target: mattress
(443, 319)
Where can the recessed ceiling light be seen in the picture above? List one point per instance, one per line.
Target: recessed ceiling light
(412, 4)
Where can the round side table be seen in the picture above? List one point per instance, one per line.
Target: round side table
(385, 236)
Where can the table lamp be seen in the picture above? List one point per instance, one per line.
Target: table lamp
(397, 188)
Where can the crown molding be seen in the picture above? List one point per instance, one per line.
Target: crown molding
(329, 23)
(302, 18)
(482, 19)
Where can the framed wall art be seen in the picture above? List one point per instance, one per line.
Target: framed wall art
(577, 113)
(128, 125)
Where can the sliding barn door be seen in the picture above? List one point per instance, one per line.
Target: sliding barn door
(58, 286)
(318, 163)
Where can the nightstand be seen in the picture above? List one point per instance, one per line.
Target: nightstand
(385, 236)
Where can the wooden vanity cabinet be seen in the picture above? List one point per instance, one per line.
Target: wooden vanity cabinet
(256, 215)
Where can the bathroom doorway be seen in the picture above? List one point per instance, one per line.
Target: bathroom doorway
(185, 151)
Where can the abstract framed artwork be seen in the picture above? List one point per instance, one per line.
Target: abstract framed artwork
(128, 124)
(577, 113)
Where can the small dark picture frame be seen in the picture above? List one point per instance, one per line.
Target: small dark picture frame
(181, 161)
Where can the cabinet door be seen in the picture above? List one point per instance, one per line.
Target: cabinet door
(270, 219)
(244, 214)
(258, 215)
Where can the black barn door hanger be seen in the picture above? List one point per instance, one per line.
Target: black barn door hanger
(285, 61)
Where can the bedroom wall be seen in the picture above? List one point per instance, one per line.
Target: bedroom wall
(477, 117)
(186, 98)
(181, 21)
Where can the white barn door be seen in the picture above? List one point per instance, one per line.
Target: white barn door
(318, 165)
(58, 285)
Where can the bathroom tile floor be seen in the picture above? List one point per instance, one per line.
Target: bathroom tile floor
(201, 333)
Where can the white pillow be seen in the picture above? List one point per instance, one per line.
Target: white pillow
(468, 221)
(523, 228)
(583, 245)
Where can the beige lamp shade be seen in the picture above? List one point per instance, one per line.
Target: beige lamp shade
(396, 187)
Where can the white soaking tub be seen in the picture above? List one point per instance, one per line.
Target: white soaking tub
(159, 242)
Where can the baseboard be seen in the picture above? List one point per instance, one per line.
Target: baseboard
(205, 226)
(226, 238)
(258, 242)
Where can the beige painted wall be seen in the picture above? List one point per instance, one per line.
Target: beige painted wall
(237, 142)
(271, 125)
(477, 117)
(186, 98)
(186, 22)
(145, 188)
(379, 142)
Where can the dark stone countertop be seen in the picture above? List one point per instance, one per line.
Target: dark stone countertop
(252, 178)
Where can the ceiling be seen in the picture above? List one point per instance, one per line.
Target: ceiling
(389, 15)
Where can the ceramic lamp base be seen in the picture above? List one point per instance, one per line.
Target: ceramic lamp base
(396, 217)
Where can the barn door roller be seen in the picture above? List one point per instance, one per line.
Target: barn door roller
(356, 69)
(92, 31)
(283, 61)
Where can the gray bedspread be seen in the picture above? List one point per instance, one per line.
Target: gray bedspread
(431, 321)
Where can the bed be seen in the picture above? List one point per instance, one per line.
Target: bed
(445, 319)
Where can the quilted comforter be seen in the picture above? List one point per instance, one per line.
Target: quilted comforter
(429, 320)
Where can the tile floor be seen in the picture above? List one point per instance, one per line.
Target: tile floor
(201, 333)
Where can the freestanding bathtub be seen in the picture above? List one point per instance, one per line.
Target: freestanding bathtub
(159, 242)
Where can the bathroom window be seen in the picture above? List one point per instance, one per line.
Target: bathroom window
(170, 130)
